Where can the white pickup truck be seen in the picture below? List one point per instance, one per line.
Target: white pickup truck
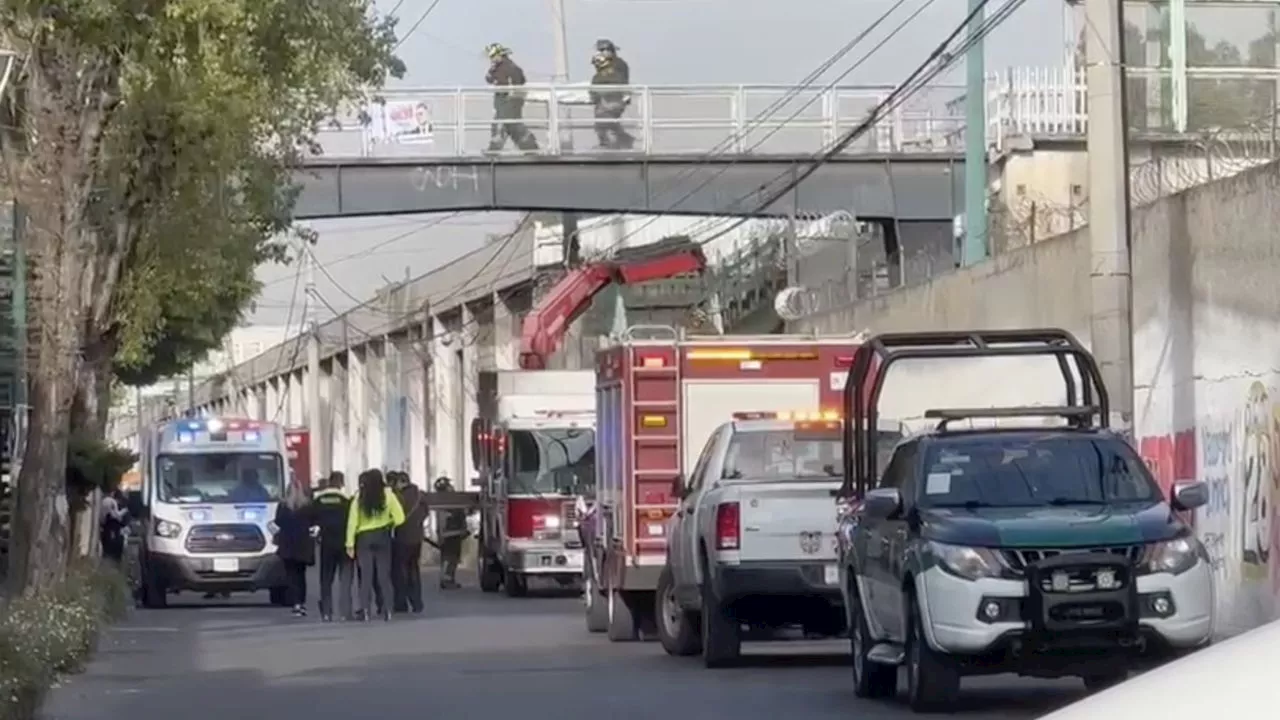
(753, 541)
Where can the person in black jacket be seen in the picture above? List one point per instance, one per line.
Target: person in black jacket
(406, 554)
(451, 531)
(295, 534)
(610, 104)
(330, 507)
(508, 105)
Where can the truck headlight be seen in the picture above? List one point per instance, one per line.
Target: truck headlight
(551, 522)
(970, 563)
(167, 529)
(1173, 556)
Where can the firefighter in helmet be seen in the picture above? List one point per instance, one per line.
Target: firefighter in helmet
(508, 104)
(452, 530)
(610, 103)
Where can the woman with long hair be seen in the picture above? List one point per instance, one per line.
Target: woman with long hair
(295, 543)
(375, 513)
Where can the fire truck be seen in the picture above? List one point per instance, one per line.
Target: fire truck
(297, 440)
(534, 447)
(659, 395)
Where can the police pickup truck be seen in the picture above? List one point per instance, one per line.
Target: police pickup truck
(1044, 548)
(753, 540)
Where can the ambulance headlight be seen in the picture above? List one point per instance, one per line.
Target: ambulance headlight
(167, 529)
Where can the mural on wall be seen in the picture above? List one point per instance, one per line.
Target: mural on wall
(1237, 454)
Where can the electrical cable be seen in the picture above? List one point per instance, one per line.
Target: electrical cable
(418, 23)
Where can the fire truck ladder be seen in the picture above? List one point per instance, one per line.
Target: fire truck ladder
(646, 383)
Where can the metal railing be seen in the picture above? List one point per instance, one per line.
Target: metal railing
(664, 120)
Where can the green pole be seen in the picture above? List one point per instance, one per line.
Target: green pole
(974, 249)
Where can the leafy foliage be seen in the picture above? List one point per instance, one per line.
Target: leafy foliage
(94, 463)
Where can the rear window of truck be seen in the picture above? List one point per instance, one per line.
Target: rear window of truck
(786, 455)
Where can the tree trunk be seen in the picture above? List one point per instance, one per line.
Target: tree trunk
(39, 522)
(90, 407)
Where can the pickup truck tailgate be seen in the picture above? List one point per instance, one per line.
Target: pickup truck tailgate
(792, 520)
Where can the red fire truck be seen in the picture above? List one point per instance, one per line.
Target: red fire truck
(659, 395)
(534, 447)
(297, 440)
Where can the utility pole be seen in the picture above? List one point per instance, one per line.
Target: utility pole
(311, 383)
(560, 35)
(974, 249)
(1110, 271)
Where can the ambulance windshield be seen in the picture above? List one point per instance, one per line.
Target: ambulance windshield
(220, 477)
(551, 461)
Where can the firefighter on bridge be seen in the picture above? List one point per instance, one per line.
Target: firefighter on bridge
(610, 104)
(508, 105)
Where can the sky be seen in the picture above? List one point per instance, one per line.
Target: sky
(686, 42)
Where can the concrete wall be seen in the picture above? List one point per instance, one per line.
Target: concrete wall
(1206, 358)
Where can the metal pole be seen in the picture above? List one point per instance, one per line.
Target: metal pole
(1110, 273)
(975, 143)
(560, 37)
(311, 382)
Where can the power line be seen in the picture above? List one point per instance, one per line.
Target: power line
(421, 18)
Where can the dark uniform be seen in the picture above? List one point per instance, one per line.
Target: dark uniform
(451, 531)
(406, 553)
(609, 104)
(331, 506)
(508, 105)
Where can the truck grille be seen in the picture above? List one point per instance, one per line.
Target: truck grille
(1018, 560)
(214, 539)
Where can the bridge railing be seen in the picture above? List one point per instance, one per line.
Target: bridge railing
(664, 120)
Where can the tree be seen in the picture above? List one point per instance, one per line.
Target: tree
(138, 131)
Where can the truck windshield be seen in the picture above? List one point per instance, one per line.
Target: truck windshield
(1017, 471)
(220, 477)
(782, 454)
(552, 461)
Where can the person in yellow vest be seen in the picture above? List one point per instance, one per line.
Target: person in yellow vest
(375, 514)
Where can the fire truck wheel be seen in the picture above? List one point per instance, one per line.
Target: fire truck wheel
(490, 576)
(517, 585)
(597, 607)
(622, 623)
(678, 629)
(721, 634)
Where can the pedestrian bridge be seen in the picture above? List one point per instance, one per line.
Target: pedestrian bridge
(715, 150)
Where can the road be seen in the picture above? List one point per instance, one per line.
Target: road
(469, 655)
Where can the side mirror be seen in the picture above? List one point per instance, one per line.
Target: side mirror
(1189, 495)
(883, 503)
(678, 488)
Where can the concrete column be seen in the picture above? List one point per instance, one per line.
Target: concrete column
(297, 402)
(376, 407)
(272, 407)
(445, 406)
(506, 333)
(322, 435)
(416, 379)
(357, 413)
(339, 414)
(470, 380)
(253, 404)
(398, 408)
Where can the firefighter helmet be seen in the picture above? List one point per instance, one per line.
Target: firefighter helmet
(496, 50)
(605, 45)
(443, 484)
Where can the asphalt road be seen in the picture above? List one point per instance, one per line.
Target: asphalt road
(469, 655)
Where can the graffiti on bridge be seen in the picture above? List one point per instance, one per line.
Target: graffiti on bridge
(453, 178)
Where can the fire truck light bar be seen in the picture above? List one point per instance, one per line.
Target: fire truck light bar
(824, 415)
(744, 354)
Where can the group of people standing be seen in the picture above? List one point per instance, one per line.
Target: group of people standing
(608, 103)
(372, 541)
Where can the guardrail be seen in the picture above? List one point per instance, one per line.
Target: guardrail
(664, 120)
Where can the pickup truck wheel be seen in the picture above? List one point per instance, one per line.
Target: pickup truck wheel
(933, 684)
(1098, 683)
(517, 585)
(597, 607)
(721, 634)
(622, 624)
(870, 679)
(678, 629)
